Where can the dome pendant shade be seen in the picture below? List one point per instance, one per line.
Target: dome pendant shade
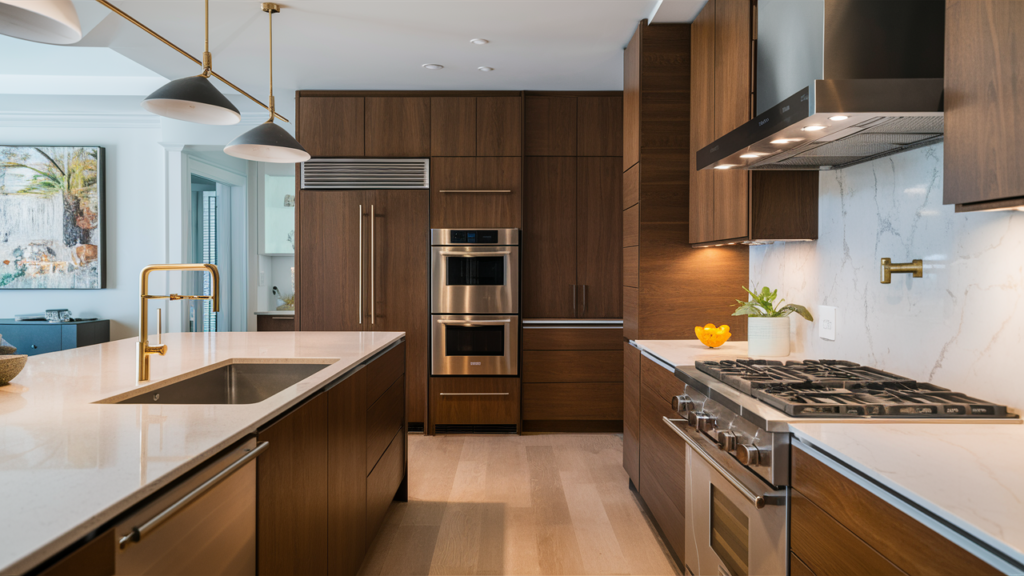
(192, 99)
(47, 21)
(267, 142)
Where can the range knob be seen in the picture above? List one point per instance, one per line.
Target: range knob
(682, 403)
(727, 440)
(750, 455)
(702, 421)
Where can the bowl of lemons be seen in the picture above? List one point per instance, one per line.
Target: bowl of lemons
(713, 336)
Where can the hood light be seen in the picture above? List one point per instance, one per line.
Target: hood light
(752, 155)
(813, 128)
(724, 166)
(781, 141)
(839, 118)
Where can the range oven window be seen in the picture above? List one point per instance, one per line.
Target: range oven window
(730, 533)
(474, 341)
(476, 271)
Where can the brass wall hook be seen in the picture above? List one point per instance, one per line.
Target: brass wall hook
(888, 269)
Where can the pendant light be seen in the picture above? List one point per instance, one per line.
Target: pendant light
(194, 99)
(47, 21)
(268, 142)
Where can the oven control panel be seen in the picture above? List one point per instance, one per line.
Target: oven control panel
(474, 237)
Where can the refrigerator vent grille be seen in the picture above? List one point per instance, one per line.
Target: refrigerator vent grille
(365, 173)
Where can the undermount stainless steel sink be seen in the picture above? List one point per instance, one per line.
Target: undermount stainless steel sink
(231, 384)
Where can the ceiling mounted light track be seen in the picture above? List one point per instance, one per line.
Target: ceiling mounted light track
(46, 21)
(268, 142)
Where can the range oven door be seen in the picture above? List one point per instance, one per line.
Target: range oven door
(736, 524)
(464, 345)
(474, 280)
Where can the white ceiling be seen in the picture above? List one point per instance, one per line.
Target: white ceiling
(371, 44)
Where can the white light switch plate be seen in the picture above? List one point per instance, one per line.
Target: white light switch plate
(827, 322)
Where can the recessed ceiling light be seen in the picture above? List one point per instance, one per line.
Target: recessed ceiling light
(839, 118)
(813, 128)
(781, 141)
(723, 166)
(485, 69)
(433, 66)
(479, 41)
(751, 155)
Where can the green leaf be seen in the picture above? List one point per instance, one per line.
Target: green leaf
(748, 309)
(789, 308)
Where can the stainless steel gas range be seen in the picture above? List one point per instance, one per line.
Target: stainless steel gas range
(733, 418)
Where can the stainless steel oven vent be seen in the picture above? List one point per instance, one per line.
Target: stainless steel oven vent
(365, 173)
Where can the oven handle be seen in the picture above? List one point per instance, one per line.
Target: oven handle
(473, 322)
(474, 254)
(759, 501)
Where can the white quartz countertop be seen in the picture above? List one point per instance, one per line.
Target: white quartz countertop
(68, 465)
(966, 473)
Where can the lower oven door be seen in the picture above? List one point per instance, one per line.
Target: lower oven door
(474, 345)
(735, 523)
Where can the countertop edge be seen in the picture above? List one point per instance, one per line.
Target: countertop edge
(34, 558)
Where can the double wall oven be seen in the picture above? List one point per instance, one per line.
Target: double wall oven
(474, 302)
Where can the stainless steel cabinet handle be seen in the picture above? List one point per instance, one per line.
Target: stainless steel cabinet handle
(478, 254)
(137, 534)
(472, 322)
(474, 393)
(584, 298)
(759, 501)
(574, 313)
(373, 296)
(360, 263)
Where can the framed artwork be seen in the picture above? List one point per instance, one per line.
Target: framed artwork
(52, 218)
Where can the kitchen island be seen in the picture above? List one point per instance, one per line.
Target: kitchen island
(71, 461)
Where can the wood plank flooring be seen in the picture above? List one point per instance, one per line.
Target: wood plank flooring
(534, 504)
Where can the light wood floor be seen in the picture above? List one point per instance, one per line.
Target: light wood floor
(535, 504)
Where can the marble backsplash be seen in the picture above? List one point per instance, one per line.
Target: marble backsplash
(961, 326)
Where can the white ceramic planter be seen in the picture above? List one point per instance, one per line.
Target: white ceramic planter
(768, 336)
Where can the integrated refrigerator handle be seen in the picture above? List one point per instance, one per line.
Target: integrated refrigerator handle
(584, 298)
(360, 264)
(574, 313)
(373, 299)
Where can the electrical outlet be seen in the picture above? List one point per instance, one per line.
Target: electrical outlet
(827, 322)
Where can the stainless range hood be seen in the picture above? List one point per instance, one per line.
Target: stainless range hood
(839, 82)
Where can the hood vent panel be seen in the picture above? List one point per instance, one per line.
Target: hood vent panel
(365, 173)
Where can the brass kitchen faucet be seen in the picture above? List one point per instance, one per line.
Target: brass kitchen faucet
(143, 349)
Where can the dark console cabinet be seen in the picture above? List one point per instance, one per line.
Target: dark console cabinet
(40, 337)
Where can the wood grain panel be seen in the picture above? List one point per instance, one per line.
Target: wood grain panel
(631, 187)
(549, 238)
(571, 366)
(382, 372)
(905, 542)
(474, 409)
(497, 210)
(631, 412)
(797, 567)
(829, 548)
(292, 492)
(662, 454)
(382, 484)
(499, 126)
(453, 126)
(599, 237)
(331, 127)
(702, 122)
(571, 338)
(398, 127)
(984, 111)
(665, 90)
(309, 259)
(732, 108)
(450, 174)
(631, 266)
(94, 558)
(631, 227)
(599, 127)
(330, 255)
(731, 205)
(631, 101)
(664, 187)
(572, 400)
(383, 419)
(346, 475)
(630, 313)
(549, 127)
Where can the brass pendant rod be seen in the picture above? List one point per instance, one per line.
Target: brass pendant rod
(146, 29)
(270, 19)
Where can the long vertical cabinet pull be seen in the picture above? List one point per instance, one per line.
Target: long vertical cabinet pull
(373, 296)
(584, 299)
(360, 263)
(574, 313)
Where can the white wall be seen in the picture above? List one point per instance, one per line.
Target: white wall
(961, 326)
(135, 234)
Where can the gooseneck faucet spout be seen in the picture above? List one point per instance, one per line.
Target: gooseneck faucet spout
(143, 349)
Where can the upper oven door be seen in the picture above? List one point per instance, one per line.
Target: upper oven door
(465, 345)
(474, 280)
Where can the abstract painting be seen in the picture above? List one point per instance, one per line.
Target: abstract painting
(51, 218)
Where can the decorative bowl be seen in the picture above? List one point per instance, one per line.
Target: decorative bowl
(711, 336)
(11, 366)
(7, 350)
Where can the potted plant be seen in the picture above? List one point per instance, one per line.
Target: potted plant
(768, 322)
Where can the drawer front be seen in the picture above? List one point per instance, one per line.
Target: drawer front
(572, 401)
(383, 419)
(829, 548)
(275, 323)
(382, 484)
(630, 313)
(631, 187)
(631, 266)
(382, 373)
(475, 400)
(631, 413)
(905, 542)
(33, 339)
(536, 338)
(571, 366)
